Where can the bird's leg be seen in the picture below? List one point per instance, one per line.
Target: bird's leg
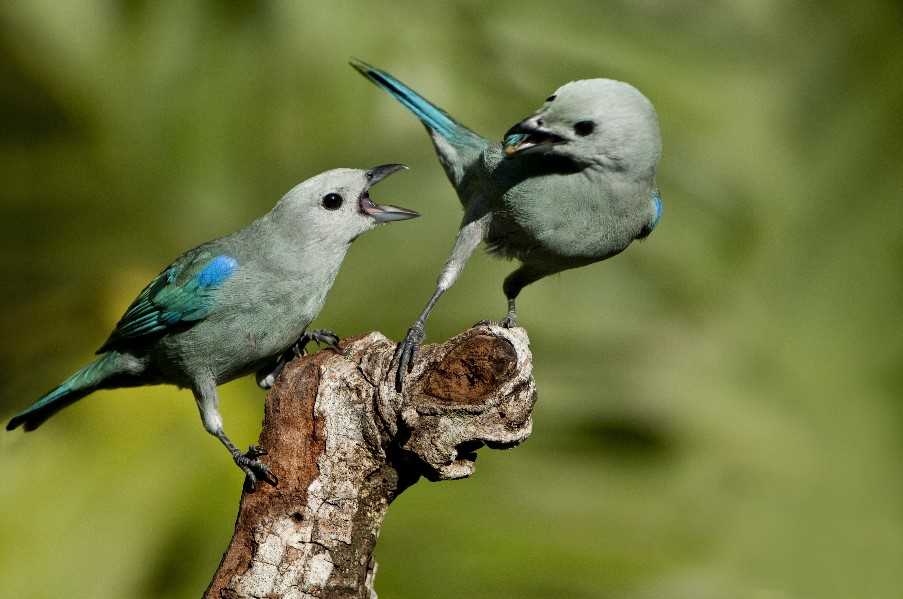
(510, 319)
(266, 377)
(208, 405)
(508, 322)
(514, 282)
(407, 349)
(469, 237)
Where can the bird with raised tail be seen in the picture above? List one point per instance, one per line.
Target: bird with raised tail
(570, 185)
(236, 305)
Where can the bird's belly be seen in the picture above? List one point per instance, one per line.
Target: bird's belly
(568, 218)
(571, 241)
(231, 345)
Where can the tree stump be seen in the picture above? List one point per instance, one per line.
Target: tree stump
(344, 444)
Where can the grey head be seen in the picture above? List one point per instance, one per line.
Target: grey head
(599, 122)
(335, 206)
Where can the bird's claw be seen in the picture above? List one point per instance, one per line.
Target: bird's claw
(267, 378)
(254, 469)
(318, 336)
(406, 352)
(327, 338)
(508, 322)
(255, 451)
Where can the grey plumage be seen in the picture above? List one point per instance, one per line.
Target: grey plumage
(233, 306)
(570, 185)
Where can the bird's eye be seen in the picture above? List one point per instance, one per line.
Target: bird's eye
(584, 128)
(550, 98)
(332, 201)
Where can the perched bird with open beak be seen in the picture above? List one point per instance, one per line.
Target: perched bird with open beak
(571, 185)
(236, 305)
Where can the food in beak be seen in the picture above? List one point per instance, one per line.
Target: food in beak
(521, 140)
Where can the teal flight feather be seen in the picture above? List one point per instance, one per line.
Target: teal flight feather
(165, 303)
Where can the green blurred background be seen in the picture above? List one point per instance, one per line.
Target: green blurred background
(719, 411)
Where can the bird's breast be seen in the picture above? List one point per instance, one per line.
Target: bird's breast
(254, 323)
(564, 218)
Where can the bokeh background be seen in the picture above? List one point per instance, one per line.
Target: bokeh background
(720, 411)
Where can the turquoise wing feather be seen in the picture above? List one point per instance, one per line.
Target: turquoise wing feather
(170, 300)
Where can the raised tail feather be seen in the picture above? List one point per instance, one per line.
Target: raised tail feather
(431, 115)
(77, 386)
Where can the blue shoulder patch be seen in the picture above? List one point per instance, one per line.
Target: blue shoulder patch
(513, 139)
(659, 207)
(648, 227)
(217, 271)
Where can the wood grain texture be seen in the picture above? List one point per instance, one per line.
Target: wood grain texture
(344, 444)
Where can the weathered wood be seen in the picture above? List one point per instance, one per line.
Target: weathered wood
(344, 444)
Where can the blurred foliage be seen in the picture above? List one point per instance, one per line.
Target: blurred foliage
(719, 408)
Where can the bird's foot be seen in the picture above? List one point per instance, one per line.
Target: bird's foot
(254, 469)
(508, 322)
(406, 352)
(318, 336)
(266, 377)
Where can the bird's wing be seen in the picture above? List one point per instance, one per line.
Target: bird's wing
(183, 293)
(456, 145)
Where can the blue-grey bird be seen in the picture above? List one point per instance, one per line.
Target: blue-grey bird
(235, 305)
(570, 185)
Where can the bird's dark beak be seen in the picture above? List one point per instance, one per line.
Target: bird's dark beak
(529, 133)
(383, 213)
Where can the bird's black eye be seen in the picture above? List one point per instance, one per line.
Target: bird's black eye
(550, 98)
(584, 128)
(332, 201)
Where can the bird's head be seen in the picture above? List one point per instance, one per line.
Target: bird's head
(336, 204)
(593, 121)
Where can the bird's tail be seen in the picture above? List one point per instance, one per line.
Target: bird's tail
(83, 382)
(436, 119)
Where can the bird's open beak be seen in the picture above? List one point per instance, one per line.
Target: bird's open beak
(527, 134)
(383, 213)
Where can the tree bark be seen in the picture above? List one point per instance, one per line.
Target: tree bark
(344, 444)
